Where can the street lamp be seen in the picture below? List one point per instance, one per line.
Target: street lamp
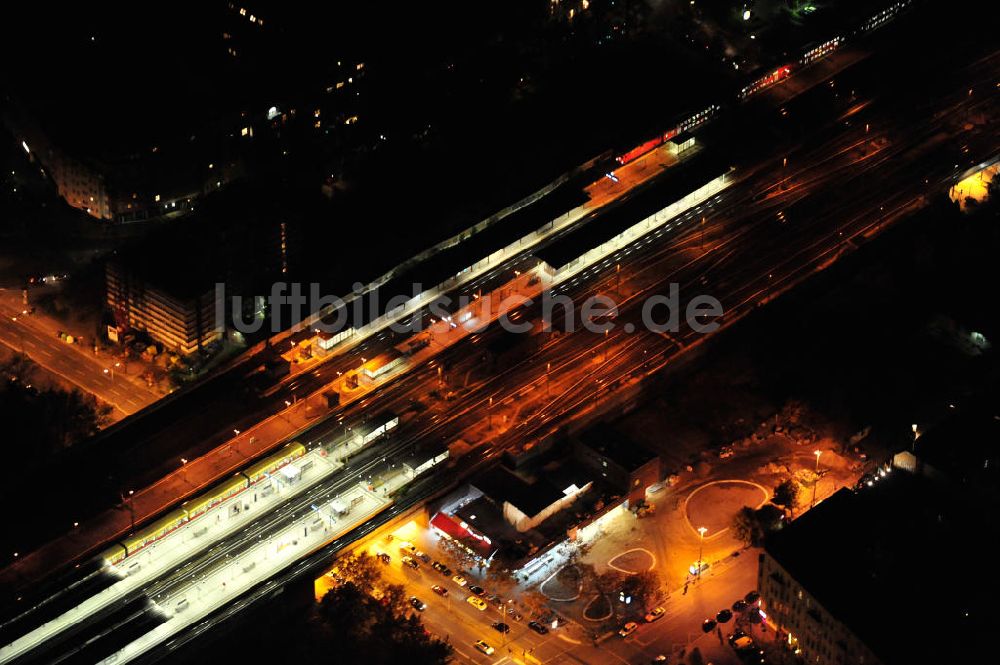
(701, 547)
(131, 508)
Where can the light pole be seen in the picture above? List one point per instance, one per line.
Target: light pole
(131, 508)
(701, 548)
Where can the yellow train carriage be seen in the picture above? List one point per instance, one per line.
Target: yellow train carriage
(200, 505)
(114, 554)
(154, 531)
(274, 462)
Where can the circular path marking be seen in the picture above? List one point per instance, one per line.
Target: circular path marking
(556, 597)
(715, 503)
(635, 560)
(607, 608)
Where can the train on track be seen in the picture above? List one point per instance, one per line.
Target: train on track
(198, 506)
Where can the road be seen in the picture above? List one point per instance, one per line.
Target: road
(24, 333)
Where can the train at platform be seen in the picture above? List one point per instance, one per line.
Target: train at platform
(198, 506)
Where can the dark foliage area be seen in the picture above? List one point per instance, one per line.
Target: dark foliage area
(43, 421)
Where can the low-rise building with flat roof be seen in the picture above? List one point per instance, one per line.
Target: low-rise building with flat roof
(526, 504)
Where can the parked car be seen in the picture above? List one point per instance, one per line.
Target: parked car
(628, 629)
(654, 614)
(476, 602)
(478, 590)
(482, 646)
(537, 627)
(384, 558)
(459, 580)
(439, 590)
(724, 616)
(501, 627)
(409, 561)
(418, 604)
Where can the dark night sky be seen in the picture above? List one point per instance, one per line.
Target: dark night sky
(121, 67)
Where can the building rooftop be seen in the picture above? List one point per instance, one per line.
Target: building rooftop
(906, 547)
(424, 452)
(977, 459)
(594, 232)
(457, 528)
(486, 517)
(612, 444)
(502, 485)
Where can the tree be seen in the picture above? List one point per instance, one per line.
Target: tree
(504, 562)
(50, 419)
(536, 602)
(18, 368)
(786, 495)
(362, 569)
(746, 527)
(360, 628)
(645, 589)
(366, 619)
(459, 553)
